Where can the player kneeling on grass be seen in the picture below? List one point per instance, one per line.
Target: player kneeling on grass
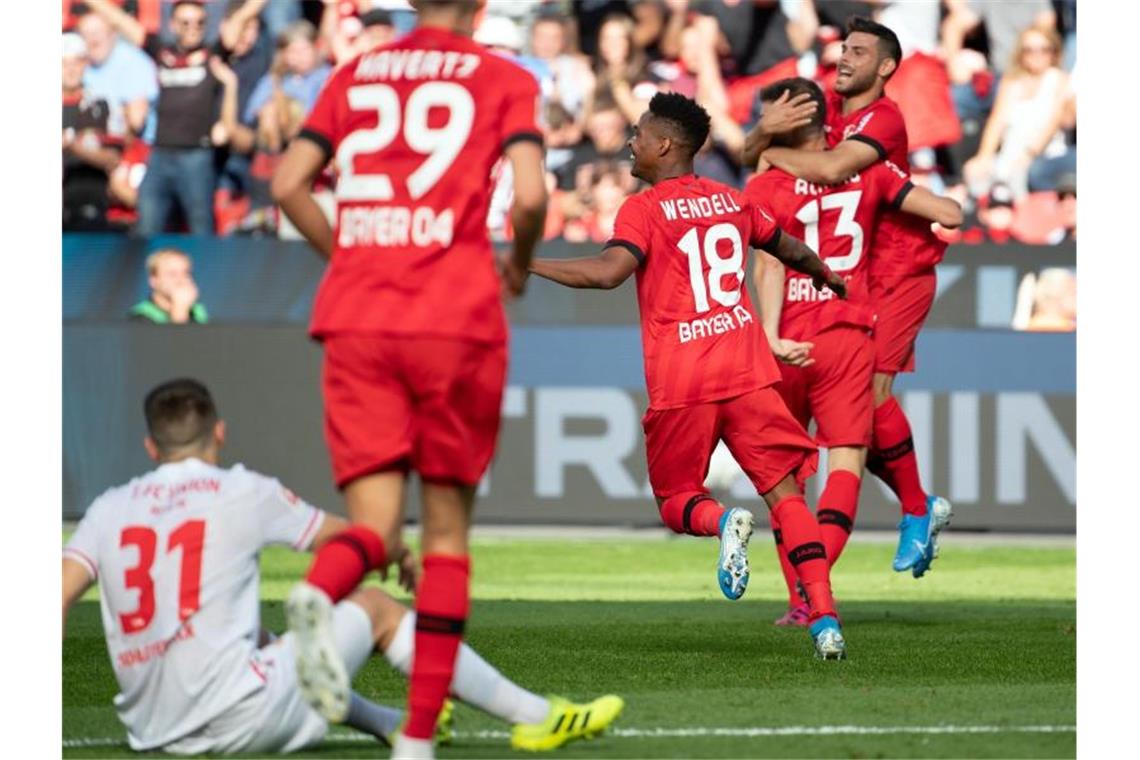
(176, 553)
(708, 373)
(824, 344)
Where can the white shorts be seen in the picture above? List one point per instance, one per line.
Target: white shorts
(277, 718)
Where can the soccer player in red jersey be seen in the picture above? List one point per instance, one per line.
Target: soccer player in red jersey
(411, 319)
(864, 127)
(824, 343)
(709, 375)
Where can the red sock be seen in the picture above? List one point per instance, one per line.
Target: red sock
(341, 564)
(786, 568)
(892, 457)
(835, 512)
(693, 512)
(806, 554)
(443, 601)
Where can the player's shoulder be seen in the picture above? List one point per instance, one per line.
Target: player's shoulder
(767, 181)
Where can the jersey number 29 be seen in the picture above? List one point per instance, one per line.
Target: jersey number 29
(441, 145)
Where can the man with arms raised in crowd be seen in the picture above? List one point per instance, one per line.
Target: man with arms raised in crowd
(824, 344)
(864, 127)
(708, 374)
(411, 318)
(176, 554)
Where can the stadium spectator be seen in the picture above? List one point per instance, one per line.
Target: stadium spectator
(607, 193)
(181, 165)
(755, 35)
(346, 31)
(88, 153)
(608, 131)
(283, 98)
(621, 68)
(124, 183)
(1027, 116)
(571, 81)
(173, 295)
(119, 73)
(250, 55)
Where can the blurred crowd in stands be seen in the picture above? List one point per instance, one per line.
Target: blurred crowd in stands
(175, 113)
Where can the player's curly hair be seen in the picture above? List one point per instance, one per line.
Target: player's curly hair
(685, 115)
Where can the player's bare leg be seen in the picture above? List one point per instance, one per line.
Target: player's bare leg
(806, 554)
(442, 605)
(375, 504)
(893, 460)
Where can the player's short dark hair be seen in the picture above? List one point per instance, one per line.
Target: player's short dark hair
(685, 115)
(180, 414)
(796, 86)
(889, 46)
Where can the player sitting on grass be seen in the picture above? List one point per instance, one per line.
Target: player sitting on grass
(176, 553)
(824, 344)
(709, 375)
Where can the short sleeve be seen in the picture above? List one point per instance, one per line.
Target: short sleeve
(320, 125)
(84, 544)
(895, 183)
(765, 232)
(521, 106)
(882, 128)
(284, 518)
(631, 229)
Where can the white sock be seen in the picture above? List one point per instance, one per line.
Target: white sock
(476, 682)
(406, 748)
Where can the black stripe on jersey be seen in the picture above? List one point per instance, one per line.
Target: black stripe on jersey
(322, 142)
(535, 137)
(898, 201)
(872, 142)
(631, 247)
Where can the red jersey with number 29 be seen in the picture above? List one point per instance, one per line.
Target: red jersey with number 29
(699, 333)
(415, 128)
(837, 222)
(903, 244)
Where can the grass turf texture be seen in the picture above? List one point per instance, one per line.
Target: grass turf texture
(987, 638)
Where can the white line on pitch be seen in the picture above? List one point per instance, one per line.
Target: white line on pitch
(677, 733)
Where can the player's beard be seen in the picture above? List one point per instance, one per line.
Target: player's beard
(856, 85)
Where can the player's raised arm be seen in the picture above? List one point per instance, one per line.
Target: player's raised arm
(827, 167)
(783, 115)
(528, 212)
(606, 271)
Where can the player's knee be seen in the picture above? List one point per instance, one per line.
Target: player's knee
(785, 488)
(383, 611)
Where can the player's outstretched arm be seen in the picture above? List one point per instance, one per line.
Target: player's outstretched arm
(606, 271)
(828, 167)
(768, 277)
(528, 211)
(795, 254)
(76, 581)
(921, 202)
(124, 23)
(782, 115)
(290, 189)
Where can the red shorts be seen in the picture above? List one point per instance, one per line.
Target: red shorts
(424, 403)
(901, 310)
(758, 429)
(836, 389)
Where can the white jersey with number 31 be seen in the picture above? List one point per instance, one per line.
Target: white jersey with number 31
(176, 556)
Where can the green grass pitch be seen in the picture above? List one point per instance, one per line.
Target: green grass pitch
(983, 648)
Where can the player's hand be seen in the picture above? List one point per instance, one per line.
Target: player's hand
(832, 281)
(793, 352)
(513, 277)
(787, 113)
(407, 567)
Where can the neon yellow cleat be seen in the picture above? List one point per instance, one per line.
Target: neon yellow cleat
(566, 722)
